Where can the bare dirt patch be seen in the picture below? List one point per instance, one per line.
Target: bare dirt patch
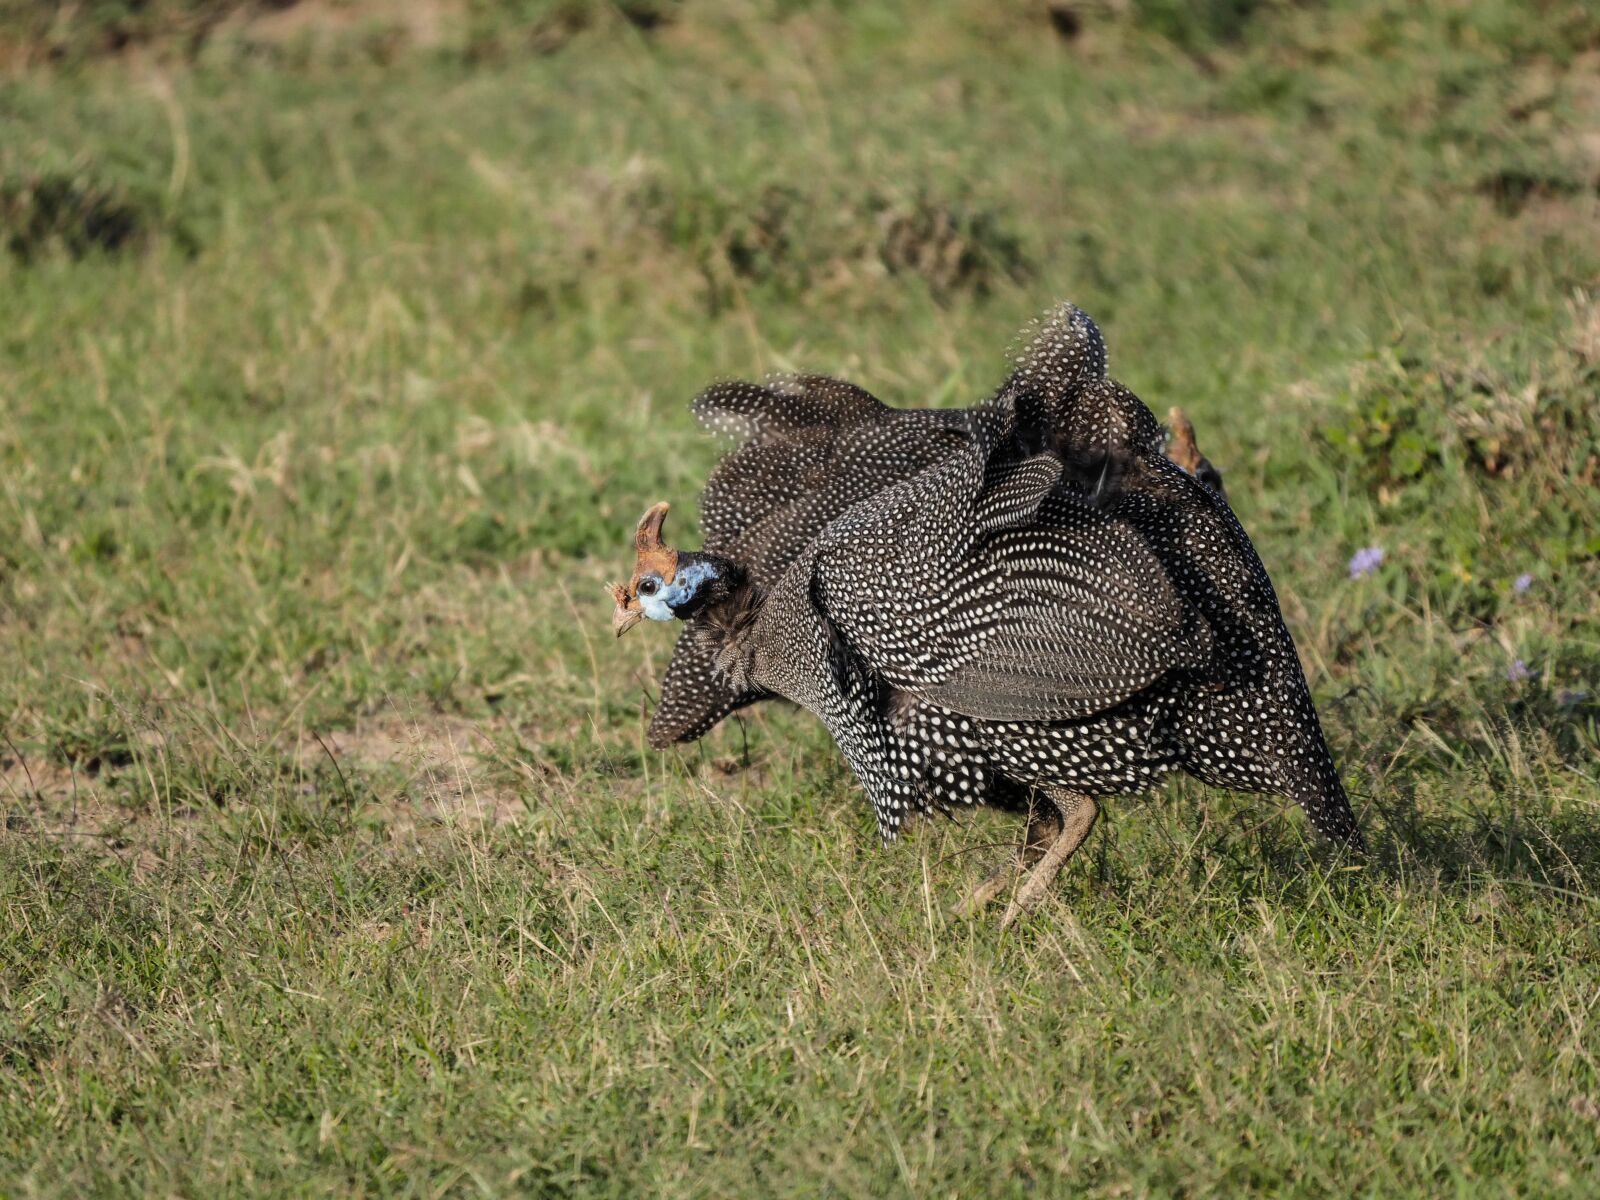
(36, 789)
(40, 798)
(408, 772)
(423, 24)
(446, 762)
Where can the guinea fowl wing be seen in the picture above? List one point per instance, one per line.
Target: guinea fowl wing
(958, 587)
(693, 696)
(809, 448)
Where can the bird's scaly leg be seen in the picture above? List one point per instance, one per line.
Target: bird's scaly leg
(1044, 826)
(1077, 818)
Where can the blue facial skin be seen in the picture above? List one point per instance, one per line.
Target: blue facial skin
(679, 592)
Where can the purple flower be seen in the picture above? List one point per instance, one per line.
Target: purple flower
(1518, 671)
(1571, 699)
(1522, 582)
(1365, 561)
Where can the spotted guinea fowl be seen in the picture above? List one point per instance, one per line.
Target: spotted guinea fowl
(1050, 612)
(808, 448)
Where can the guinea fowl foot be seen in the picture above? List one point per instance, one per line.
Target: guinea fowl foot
(1078, 815)
(1044, 826)
(988, 891)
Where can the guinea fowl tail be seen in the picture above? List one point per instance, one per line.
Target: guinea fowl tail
(1064, 353)
(1323, 797)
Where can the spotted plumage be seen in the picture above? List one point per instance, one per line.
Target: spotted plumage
(809, 448)
(1046, 611)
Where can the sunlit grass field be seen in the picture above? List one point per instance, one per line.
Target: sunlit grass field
(342, 344)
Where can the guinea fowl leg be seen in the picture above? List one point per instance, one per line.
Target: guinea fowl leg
(1078, 813)
(1044, 826)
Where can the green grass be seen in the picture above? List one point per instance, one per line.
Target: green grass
(338, 355)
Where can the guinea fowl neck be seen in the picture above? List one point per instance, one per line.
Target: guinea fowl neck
(725, 626)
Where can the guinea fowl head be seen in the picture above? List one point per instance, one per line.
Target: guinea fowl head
(670, 584)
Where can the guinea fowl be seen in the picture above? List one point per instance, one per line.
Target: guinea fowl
(1050, 612)
(810, 447)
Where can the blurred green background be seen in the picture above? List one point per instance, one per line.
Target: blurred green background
(342, 343)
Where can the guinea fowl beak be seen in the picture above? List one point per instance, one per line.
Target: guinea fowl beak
(651, 555)
(628, 613)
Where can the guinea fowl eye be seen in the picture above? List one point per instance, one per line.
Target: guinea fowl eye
(647, 587)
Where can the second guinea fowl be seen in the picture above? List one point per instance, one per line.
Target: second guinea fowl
(1048, 614)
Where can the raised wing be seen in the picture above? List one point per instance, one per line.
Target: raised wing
(693, 696)
(1077, 617)
(809, 448)
(987, 590)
